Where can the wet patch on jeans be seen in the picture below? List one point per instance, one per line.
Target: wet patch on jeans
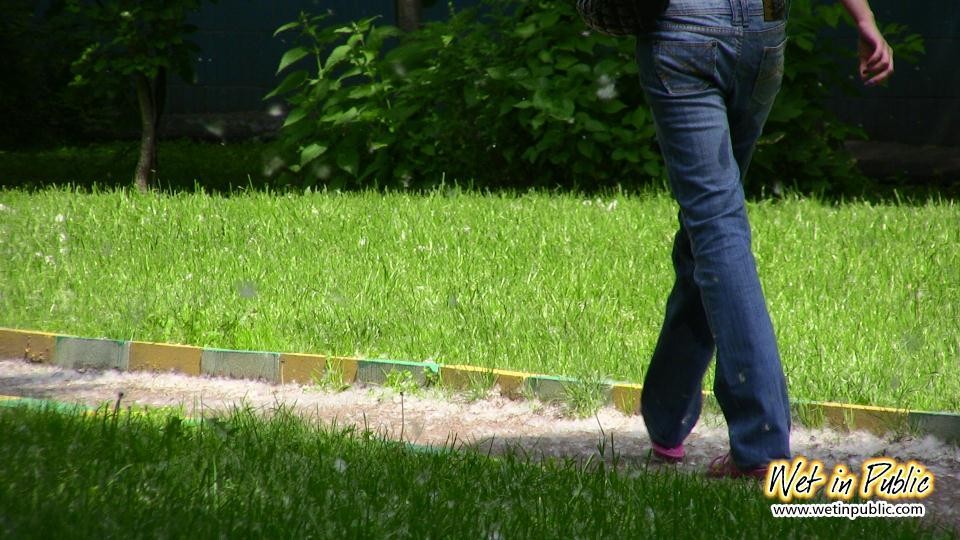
(724, 152)
(770, 75)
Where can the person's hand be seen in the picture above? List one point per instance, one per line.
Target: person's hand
(876, 55)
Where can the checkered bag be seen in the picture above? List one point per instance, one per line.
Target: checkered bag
(621, 17)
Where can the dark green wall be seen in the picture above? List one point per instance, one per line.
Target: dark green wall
(921, 104)
(236, 67)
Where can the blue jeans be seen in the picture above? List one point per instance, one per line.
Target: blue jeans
(710, 71)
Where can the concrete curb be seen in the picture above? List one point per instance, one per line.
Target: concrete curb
(76, 352)
(241, 364)
(162, 357)
(379, 371)
(31, 346)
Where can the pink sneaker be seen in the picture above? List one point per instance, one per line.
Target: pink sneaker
(724, 467)
(669, 455)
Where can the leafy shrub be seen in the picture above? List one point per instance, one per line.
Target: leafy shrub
(500, 97)
(519, 94)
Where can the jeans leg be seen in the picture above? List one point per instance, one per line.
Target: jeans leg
(694, 131)
(748, 111)
(671, 398)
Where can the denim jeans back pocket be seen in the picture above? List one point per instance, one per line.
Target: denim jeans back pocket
(770, 75)
(685, 67)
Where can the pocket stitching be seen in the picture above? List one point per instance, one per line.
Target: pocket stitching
(711, 63)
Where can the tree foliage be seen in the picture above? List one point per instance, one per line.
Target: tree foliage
(135, 42)
(518, 93)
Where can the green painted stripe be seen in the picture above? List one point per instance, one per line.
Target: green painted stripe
(14, 402)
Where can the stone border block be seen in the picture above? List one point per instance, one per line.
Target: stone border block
(163, 357)
(24, 345)
(626, 397)
(241, 364)
(375, 371)
(511, 383)
(301, 368)
(944, 425)
(463, 377)
(548, 388)
(348, 367)
(77, 353)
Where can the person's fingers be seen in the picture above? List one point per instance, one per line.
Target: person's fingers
(872, 71)
(877, 61)
(883, 56)
(869, 71)
(882, 76)
(868, 52)
(879, 47)
(876, 57)
(879, 78)
(874, 78)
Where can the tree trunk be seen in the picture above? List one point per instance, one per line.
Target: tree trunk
(147, 165)
(408, 14)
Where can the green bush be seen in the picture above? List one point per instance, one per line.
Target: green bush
(519, 94)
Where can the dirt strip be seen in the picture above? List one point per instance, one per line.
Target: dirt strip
(435, 418)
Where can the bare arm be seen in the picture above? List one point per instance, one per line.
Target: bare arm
(876, 56)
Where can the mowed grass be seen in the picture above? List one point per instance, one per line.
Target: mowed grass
(865, 297)
(125, 475)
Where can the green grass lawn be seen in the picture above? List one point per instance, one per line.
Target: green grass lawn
(865, 297)
(155, 476)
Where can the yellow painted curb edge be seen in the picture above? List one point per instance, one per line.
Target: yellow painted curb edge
(26, 345)
(302, 368)
(463, 377)
(164, 357)
(626, 398)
